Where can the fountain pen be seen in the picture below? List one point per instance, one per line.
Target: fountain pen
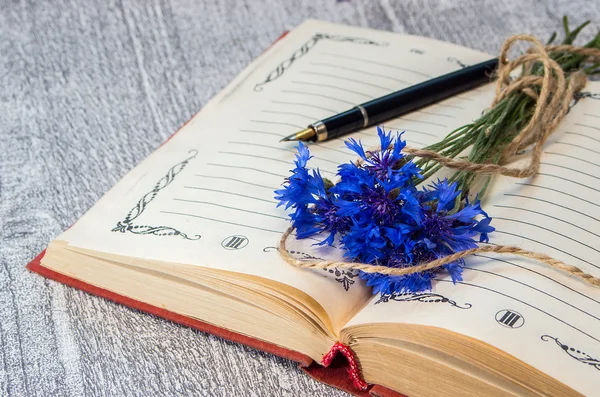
(397, 103)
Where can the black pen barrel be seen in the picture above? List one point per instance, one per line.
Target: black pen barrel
(344, 123)
(410, 99)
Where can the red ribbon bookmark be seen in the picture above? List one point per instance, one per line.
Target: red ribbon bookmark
(353, 371)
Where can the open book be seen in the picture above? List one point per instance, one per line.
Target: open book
(193, 230)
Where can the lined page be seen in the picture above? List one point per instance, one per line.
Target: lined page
(540, 315)
(206, 197)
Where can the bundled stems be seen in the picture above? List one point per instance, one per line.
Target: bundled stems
(495, 130)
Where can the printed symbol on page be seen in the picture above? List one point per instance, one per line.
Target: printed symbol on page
(510, 319)
(235, 242)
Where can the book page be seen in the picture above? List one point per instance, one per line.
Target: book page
(206, 197)
(540, 315)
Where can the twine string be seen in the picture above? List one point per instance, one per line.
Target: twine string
(552, 104)
(553, 97)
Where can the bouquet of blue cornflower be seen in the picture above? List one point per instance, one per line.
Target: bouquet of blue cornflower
(399, 236)
(377, 215)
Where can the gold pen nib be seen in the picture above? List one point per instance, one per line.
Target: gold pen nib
(306, 134)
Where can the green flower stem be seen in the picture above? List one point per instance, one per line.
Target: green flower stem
(489, 135)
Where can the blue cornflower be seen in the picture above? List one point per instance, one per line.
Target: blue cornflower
(385, 284)
(325, 213)
(381, 217)
(389, 161)
(456, 230)
(299, 187)
(442, 232)
(365, 244)
(374, 204)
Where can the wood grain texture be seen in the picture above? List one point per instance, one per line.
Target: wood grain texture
(87, 90)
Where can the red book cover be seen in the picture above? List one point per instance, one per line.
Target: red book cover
(336, 374)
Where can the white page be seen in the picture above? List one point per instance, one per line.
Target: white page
(555, 320)
(206, 197)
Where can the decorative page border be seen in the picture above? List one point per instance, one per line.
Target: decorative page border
(344, 277)
(306, 47)
(578, 355)
(584, 94)
(128, 225)
(424, 297)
